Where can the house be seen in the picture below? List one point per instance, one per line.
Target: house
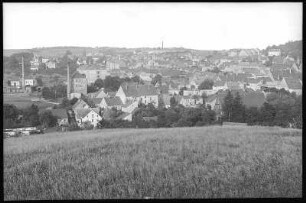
(166, 99)
(34, 68)
(219, 85)
(277, 60)
(44, 60)
(191, 101)
(97, 101)
(234, 85)
(254, 83)
(274, 52)
(80, 104)
(126, 116)
(143, 93)
(93, 72)
(110, 102)
(88, 115)
(112, 65)
(62, 117)
(146, 76)
(78, 83)
(15, 83)
(30, 82)
(51, 64)
(130, 106)
(292, 85)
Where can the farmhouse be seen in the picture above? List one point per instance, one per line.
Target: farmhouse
(143, 93)
(110, 102)
(87, 115)
(80, 104)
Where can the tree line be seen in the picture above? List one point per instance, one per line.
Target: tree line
(281, 108)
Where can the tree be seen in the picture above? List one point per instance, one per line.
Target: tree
(65, 103)
(171, 116)
(47, 119)
(31, 116)
(46, 93)
(137, 79)
(267, 114)
(73, 101)
(157, 79)
(10, 115)
(173, 102)
(206, 84)
(238, 109)
(112, 83)
(91, 88)
(228, 106)
(99, 83)
(204, 97)
(252, 116)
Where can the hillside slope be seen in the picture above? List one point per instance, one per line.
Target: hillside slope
(207, 162)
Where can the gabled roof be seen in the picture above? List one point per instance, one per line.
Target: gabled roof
(81, 113)
(60, 113)
(138, 90)
(293, 83)
(233, 85)
(97, 100)
(76, 74)
(78, 103)
(219, 83)
(253, 80)
(113, 101)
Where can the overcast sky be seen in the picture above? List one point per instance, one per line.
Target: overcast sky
(206, 26)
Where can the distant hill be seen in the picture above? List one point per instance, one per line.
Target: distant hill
(9, 52)
(78, 51)
(293, 48)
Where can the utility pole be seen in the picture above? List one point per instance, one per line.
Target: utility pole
(68, 82)
(22, 69)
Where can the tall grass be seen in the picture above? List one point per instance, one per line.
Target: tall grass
(200, 162)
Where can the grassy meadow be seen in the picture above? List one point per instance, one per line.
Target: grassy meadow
(198, 162)
(23, 102)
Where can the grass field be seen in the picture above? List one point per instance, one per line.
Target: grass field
(22, 102)
(199, 162)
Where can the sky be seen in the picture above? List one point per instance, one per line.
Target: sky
(203, 26)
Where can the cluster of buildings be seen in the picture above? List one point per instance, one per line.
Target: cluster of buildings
(247, 71)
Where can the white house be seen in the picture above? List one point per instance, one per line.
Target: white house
(191, 101)
(29, 82)
(274, 52)
(15, 83)
(87, 115)
(143, 93)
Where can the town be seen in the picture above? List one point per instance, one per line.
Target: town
(101, 84)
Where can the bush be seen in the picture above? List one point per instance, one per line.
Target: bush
(87, 125)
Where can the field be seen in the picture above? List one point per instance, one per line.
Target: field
(22, 102)
(199, 162)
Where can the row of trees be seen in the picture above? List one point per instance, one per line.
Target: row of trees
(281, 108)
(147, 116)
(111, 84)
(29, 117)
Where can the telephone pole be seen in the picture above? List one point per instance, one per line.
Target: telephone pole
(68, 82)
(22, 69)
